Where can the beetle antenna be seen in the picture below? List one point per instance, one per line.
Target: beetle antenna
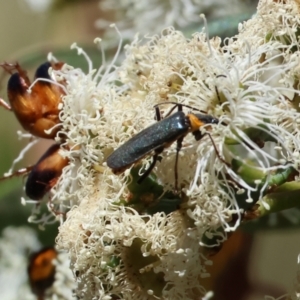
(179, 104)
(179, 146)
(217, 151)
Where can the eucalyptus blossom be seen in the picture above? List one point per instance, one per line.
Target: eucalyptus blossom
(149, 241)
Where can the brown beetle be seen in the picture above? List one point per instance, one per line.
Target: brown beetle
(45, 173)
(41, 271)
(36, 109)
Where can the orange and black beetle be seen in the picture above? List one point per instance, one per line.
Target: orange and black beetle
(41, 271)
(45, 173)
(36, 109)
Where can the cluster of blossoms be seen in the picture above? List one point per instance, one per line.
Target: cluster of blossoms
(131, 241)
(121, 241)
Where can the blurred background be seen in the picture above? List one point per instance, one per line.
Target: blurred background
(28, 32)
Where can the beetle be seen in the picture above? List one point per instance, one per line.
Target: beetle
(45, 173)
(37, 110)
(157, 137)
(41, 271)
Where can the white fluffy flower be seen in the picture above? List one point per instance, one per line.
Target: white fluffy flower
(123, 242)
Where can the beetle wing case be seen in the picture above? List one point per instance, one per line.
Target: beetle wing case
(45, 173)
(158, 135)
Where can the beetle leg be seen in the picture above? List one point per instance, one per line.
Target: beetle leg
(157, 114)
(9, 68)
(158, 118)
(5, 104)
(16, 68)
(171, 110)
(20, 172)
(179, 145)
(154, 160)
